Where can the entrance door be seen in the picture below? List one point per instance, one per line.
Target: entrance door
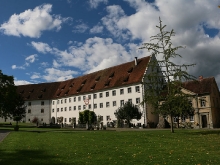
(204, 121)
(53, 120)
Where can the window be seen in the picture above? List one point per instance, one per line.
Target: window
(101, 105)
(69, 108)
(84, 97)
(69, 100)
(42, 119)
(95, 106)
(65, 101)
(61, 101)
(89, 96)
(42, 102)
(114, 93)
(129, 90)
(90, 106)
(29, 103)
(53, 102)
(52, 110)
(137, 89)
(65, 108)
(58, 101)
(137, 100)
(114, 103)
(107, 94)
(122, 102)
(74, 108)
(74, 99)
(70, 119)
(42, 111)
(79, 107)
(29, 110)
(130, 100)
(57, 109)
(61, 109)
(107, 104)
(100, 95)
(108, 118)
(183, 119)
(101, 118)
(175, 119)
(121, 91)
(202, 102)
(191, 118)
(95, 96)
(64, 119)
(79, 98)
(84, 106)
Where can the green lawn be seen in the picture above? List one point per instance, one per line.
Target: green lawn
(188, 147)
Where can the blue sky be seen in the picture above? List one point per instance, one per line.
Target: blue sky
(55, 40)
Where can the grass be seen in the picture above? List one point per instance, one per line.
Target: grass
(156, 147)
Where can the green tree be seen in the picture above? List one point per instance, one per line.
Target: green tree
(128, 112)
(87, 116)
(163, 85)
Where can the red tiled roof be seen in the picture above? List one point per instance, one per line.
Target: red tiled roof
(200, 86)
(116, 76)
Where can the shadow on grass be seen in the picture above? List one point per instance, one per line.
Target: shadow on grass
(206, 132)
(29, 157)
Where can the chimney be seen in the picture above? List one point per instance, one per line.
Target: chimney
(135, 61)
(200, 78)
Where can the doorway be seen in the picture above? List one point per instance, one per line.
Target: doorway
(204, 121)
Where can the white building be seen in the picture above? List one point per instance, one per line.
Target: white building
(103, 92)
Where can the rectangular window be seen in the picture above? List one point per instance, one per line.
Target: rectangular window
(58, 101)
(191, 118)
(108, 118)
(90, 106)
(114, 103)
(42, 111)
(137, 100)
(203, 102)
(137, 89)
(65, 101)
(70, 120)
(121, 91)
(114, 93)
(64, 119)
(29, 103)
(107, 104)
(42, 102)
(84, 106)
(95, 106)
(101, 105)
(29, 110)
(122, 102)
(79, 107)
(42, 119)
(61, 101)
(130, 100)
(107, 94)
(52, 110)
(53, 102)
(84, 97)
(74, 108)
(79, 98)
(183, 119)
(100, 95)
(69, 100)
(69, 108)
(57, 109)
(74, 99)
(95, 96)
(89, 96)
(101, 118)
(65, 108)
(129, 90)
(61, 109)
(175, 119)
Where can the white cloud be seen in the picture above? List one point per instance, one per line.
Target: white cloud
(44, 64)
(96, 29)
(95, 3)
(17, 67)
(21, 82)
(35, 75)
(31, 23)
(41, 47)
(81, 28)
(31, 58)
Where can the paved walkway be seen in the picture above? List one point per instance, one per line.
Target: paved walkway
(3, 134)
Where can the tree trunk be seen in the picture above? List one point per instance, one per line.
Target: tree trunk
(171, 124)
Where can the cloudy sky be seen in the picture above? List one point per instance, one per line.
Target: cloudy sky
(55, 40)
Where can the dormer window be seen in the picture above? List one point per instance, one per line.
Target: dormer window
(98, 78)
(112, 75)
(130, 70)
(84, 82)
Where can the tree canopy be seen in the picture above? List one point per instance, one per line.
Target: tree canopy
(87, 116)
(128, 112)
(163, 85)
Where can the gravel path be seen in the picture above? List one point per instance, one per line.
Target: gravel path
(3, 134)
